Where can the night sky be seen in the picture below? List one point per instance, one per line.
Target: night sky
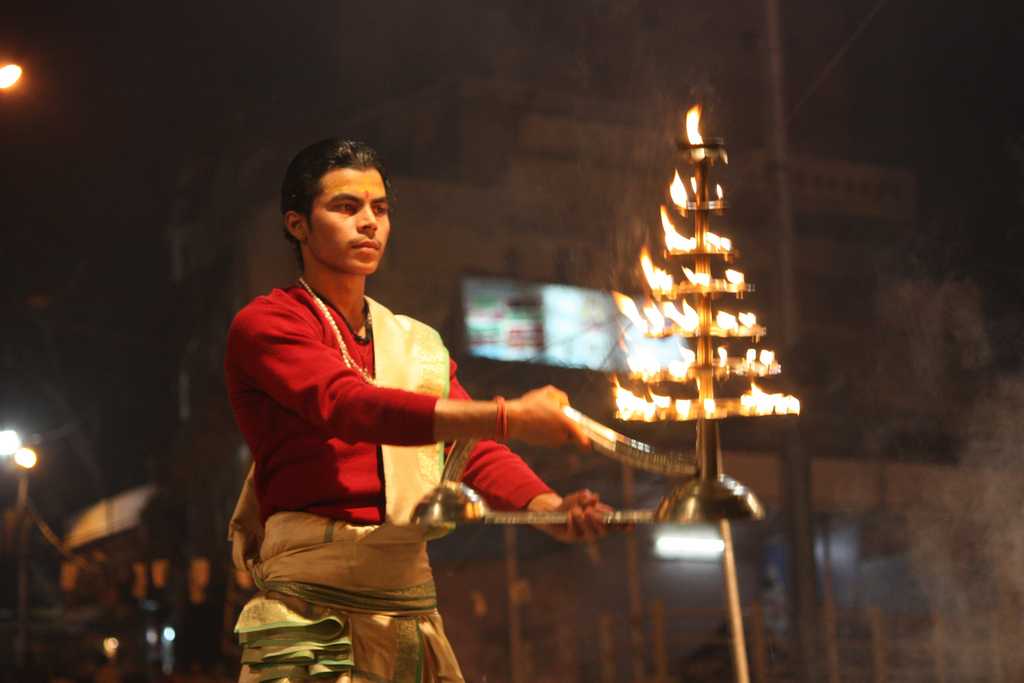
(117, 96)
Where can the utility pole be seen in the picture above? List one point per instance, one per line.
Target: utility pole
(797, 475)
(21, 637)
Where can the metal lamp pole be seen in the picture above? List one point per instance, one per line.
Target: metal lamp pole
(25, 459)
(21, 639)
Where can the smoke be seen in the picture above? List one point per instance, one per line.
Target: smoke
(927, 358)
(967, 540)
(965, 533)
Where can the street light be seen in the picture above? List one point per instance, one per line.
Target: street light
(25, 458)
(10, 442)
(10, 74)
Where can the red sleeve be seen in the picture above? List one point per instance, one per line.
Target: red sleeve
(275, 350)
(495, 472)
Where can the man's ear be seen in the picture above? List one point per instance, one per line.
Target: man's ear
(297, 225)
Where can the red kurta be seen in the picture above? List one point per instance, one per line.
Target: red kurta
(314, 426)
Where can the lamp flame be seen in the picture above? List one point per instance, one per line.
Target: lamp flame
(629, 406)
(716, 242)
(683, 407)
(734, 277)
(677, 368)
(661, 402)
(718, 191)
(655, 318)
(673, 240)
(659, 280)
(688, 320)
(709, 406)
(643, 364)
(700, 279)
(677, 191)
(628, 308)
(725, 321)
(758, 402)
(693, 125)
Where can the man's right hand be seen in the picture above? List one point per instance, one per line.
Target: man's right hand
(536, 417)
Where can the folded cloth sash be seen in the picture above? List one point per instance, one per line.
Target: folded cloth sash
(281, 644)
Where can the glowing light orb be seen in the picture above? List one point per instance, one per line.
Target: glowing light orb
(9, 75)
(25, 458)
(10, 442)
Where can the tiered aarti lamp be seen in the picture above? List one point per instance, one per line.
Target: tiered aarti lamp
(682, 389)
(702, 261)
(712, 495)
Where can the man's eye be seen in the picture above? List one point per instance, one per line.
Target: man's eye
(381, 210)
(348, 207)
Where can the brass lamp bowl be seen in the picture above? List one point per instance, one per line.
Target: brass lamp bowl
(709, 500)
(451, 503)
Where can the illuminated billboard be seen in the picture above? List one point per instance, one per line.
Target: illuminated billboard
(573, 327)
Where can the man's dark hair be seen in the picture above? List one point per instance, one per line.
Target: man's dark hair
(301, 182)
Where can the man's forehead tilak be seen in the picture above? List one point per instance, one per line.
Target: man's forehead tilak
(368, 187)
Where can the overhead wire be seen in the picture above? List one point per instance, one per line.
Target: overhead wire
(836, 58)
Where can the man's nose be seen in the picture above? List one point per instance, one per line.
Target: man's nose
(367, 220)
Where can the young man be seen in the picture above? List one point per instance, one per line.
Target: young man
(346, 407)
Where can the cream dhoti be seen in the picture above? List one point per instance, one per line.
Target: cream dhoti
(342, 602)
(339, 602)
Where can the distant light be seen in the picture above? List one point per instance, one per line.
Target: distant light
(680, 546)
(110, 646)
(9, 75)
(10, 442)
(25, 458)
(169, 634)
(151, 636)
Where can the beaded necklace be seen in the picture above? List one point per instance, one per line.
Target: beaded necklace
(352, 365)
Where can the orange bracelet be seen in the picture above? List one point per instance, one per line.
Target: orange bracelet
(501, 428)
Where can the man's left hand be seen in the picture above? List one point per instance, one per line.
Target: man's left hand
(585, 515)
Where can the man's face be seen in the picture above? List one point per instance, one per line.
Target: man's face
(349, 222)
